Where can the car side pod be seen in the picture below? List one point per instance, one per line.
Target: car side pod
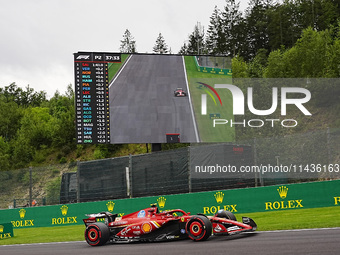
(250, 222)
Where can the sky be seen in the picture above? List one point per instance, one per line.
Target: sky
(39, 37)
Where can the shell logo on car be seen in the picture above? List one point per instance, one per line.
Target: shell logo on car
(146, 227)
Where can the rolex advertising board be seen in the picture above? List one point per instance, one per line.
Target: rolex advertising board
(6, 230)
(261, 199)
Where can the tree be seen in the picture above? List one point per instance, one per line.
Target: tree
(257, 26)
(333, 54)
(4, 155)
(184, 49)
(283, 28)
(308, 57)
(36, 127)
(215, 37)
(28, 97)
(314, 55)
(61, 107)
(257, 65)
(10, 116)
(196, 41)
(275, 65)
(160, 47)
(232, 28)
(239, 67)
(128, 44)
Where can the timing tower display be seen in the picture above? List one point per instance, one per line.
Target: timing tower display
(92, 96)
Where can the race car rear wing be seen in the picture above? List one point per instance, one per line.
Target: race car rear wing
(105, 217)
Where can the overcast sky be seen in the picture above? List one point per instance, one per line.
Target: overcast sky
(39, 37)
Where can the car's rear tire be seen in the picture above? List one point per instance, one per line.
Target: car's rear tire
(97, 234)
(226, 215)
(199, 228)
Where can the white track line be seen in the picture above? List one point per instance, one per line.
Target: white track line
(121, 69)
(32, 244)
(296, 230)
(269, 231)
(191, 108)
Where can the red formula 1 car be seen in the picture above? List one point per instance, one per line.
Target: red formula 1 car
(151, 225)
(179, 92)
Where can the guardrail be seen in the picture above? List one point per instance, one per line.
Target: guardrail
(212, 70)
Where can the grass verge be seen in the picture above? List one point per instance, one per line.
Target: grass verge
(46, 235)
(114, 67)
(326, 217)
(208, 133)
(277, 220)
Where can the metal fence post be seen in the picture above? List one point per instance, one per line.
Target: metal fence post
(258, 176)
(127, 177)
(189, 173)
(78, 183)
(130, 176)
(30, 188)
(328, 146)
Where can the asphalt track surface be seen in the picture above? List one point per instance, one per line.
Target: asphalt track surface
(315, 241)
(143, 108)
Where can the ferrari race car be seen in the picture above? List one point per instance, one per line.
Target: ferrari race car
(151, 225)
(179, 92)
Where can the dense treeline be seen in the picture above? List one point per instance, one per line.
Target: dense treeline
(293, 38)
(265, 25)
(315, 54)
(31, 126)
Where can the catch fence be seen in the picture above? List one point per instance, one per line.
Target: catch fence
(198, 167)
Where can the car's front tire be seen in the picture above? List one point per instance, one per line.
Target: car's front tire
(97, 234)
(199, 228)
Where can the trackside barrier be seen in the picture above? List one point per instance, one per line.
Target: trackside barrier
(6, 230)
(260, 199)
(212, 70)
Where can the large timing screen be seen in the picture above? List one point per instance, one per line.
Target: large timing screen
(150, 98)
